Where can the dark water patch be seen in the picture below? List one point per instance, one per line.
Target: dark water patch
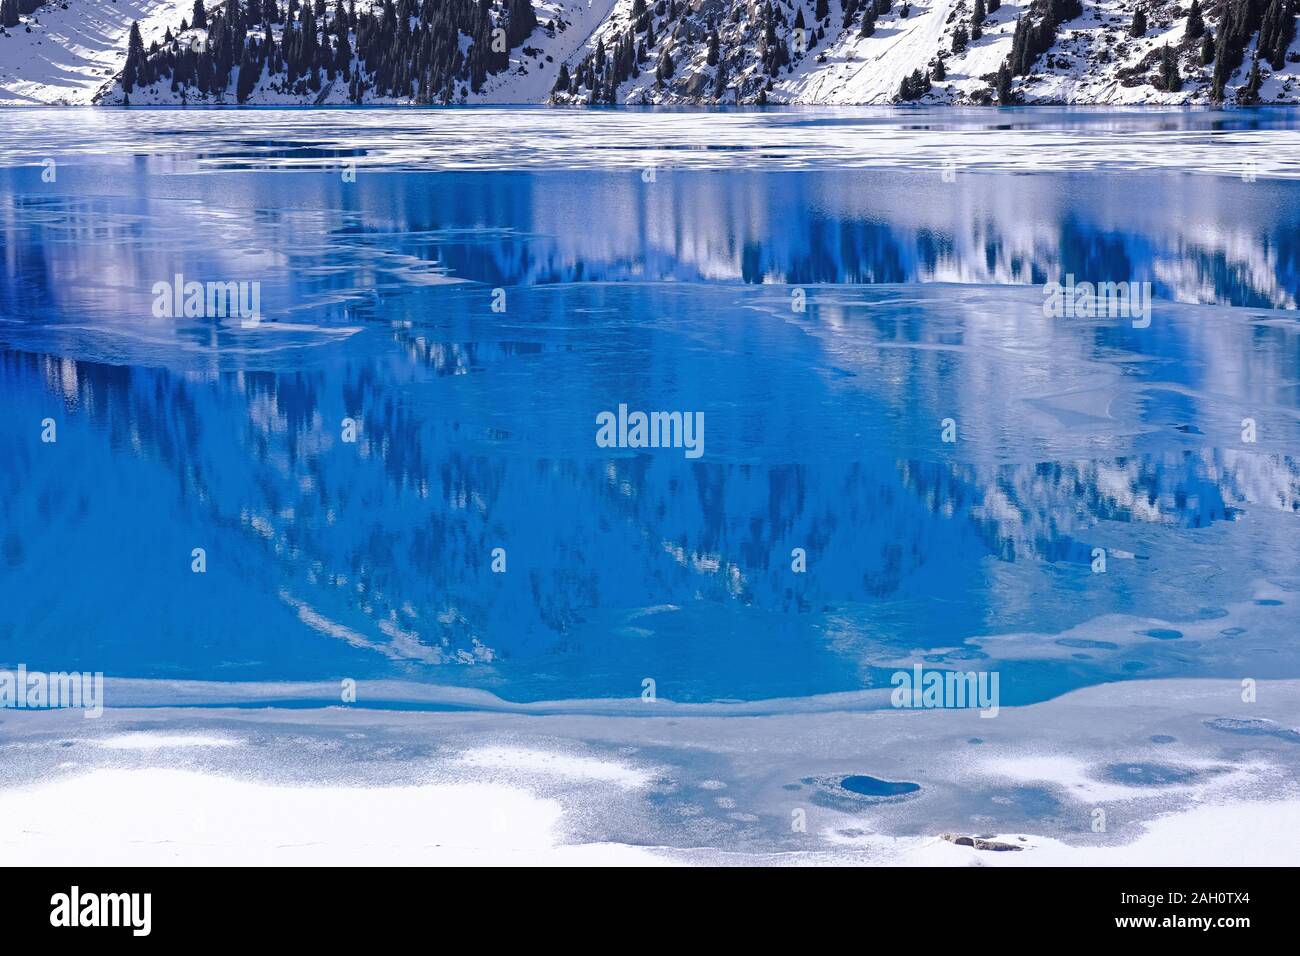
(1231, 632)
(1268, 602)
(1161, 739)
(866, 786)
(1150, 774)
(1163, 633)
(1082, 642)
(855, 792)
(1034, 803)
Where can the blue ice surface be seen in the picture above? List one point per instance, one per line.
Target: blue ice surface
(826, 322)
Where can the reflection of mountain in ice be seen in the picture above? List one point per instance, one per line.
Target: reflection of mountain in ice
(476, 428)
(325, 248)
(476, 433)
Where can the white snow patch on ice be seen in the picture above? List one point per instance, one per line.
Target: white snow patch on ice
(154, 741)
(159, 817)
(571, 766)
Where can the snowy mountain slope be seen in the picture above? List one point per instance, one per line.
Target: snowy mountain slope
(1094, 59)
(870, 69)
(62, 53)
(530, 78)
(669, 52)
(563, 28)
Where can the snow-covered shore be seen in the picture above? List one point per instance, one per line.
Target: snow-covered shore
(1160, 772)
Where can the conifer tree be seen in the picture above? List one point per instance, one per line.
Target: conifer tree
(249, 70)
(200, 18)
(1276, 32)
(1237, 25)
(9, 13)
(134, 58)
(1139, 27)
(1195, 22)
(868, 21)
(1170, 79)
(522, 22)
(960, 40)
(1006, 95)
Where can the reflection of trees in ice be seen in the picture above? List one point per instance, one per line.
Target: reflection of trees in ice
(387, 544)
(1194, 245)
(330, 258)
(1040, 511)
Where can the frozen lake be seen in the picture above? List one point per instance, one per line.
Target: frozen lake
(827, 289)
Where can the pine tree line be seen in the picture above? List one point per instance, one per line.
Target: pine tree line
(1276, 31)
(408, 49)
(412, 49)
(914, 86)
(658, 36)
(1036, 32)
(1238, 23)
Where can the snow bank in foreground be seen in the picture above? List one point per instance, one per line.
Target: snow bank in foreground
(159, 817)
(1174, 772)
